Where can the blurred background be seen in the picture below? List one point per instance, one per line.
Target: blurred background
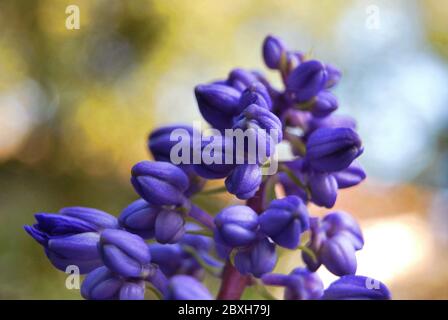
(76, 107)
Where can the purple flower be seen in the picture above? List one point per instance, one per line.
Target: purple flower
(139, 218)
(324, 104)
(102, 284)
(264, 131)
(334, 240)
(257, 94)
(300, 284)
(285, 220)
(214, 150)
(257, 259)
(329, 150)
(350, 176)
(169, 226)
(218, 104)
(124, 253)
(237, 226)
(71, 237)
(273, 52)
(334, 75)
(356, 288)
(176, 259)
(182, 287)
(240, 79)
(323, 188)
(160, 142)
(244, 181)
(160, 183)
(306, 81)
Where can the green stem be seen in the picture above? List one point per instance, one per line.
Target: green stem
(262, 291)
(308, 252)
(201, 232)
(213, 191)
(211, 270)
(296, 180)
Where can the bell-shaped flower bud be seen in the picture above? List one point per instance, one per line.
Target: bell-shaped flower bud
(162, 140)
(330, 150)
(340, 221)
(334, 241)
(182, 287)
(257, 94)
(257, 259)
(263, 130)
(273, 51)
(306, 81)
(285, 220)
(240, 79)
(334, 75)
(237, 226)
(160, 183)
(300, 284)
(169, 226)
(102, 284)
(356, 288)
(139, 218)
(217, 158)
(218, 104)
(244, 181)
(332, 121)
(324, 104)
(350, 176)
(124, 253)
(167, 256)
(337, 254)
(71, 237)
(323, 188)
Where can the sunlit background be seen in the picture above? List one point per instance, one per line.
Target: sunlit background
(76, 107)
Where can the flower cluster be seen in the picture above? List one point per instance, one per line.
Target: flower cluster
(166, 242)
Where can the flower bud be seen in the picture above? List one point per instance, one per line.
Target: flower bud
(244, 181)
(160, 141)
(102, 284)
(323, 188)
(350, 176)
(257, 94)
(300, 284)
(257, 259)
(237, 226)
(124, 253)
(273, 50)
(334, 241)
(183, 287)
(169, 227)
(263, 130)
(329, 150)
(71, 237)
(218, 104)
(337, 254)
(159, 183)
(356, 288)
(139, 218)
(306, 81)
(215, 154)
(240, 79)
(324, 104)
(334, 75)
(340, 221)
(285, 220)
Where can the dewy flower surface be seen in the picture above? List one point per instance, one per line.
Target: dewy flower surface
(165, 242)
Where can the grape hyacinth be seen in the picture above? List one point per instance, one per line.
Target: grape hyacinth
(165, 242)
